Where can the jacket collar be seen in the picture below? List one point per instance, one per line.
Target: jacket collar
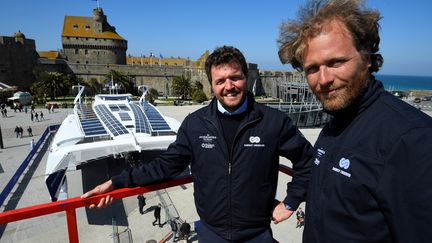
(344, 117)
(252, 112)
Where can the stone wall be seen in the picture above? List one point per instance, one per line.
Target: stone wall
(94, 51)
(155, 76)
(18, 56)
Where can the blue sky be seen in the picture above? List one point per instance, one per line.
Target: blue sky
(188, 28)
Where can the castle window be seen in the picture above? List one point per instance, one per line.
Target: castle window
(86, 62)
(76, 51)
(86, 51)
(77, 61)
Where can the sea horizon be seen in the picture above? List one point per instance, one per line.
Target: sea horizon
(405, 82)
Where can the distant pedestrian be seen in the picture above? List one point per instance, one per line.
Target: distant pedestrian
(300, 218)
(41, 116)
(141, 203)
(157, 213)
(174, 229)
(17, 130)
(30, 131)
(185, 230)
(21, 130)
(5, 112)
(31, 116)
(37, 116)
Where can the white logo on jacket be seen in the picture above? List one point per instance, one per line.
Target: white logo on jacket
(255, 141)
(344, 164)
(207, 141)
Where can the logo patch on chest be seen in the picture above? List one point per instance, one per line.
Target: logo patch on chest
(254, 141)
(207, 141)
(344, 164)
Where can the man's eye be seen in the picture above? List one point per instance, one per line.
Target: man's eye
(311, 70)
(336, 63)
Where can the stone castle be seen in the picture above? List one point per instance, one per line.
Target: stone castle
(92, 47)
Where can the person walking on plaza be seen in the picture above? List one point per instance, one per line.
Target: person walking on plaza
(17, 131)
(30, 131)
(157, 215)
(233, 147)
(36, 116)
(21, 131)
(174, 229)
(141, 203)
(300, 218)
(185, 230)
(31, 116)
(41, 116)
(371, 178)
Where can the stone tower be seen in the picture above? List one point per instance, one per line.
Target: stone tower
(92, 40)
(18, 56)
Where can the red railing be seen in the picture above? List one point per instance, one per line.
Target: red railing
(70, 205)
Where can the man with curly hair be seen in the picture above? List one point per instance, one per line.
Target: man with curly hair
(372, 174)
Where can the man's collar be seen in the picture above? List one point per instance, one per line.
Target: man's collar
(239, 110)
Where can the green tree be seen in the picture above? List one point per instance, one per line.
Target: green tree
(181, 87)
(198, 94)
(152, 95)
(93, 86)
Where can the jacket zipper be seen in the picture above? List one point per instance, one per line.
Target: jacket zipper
(230, 167)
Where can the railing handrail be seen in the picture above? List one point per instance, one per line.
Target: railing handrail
(69, 205)
(77, 202)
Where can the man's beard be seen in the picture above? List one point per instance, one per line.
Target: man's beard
(344, 97)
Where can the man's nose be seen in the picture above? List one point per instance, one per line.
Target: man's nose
(229, 84)
(325, 76)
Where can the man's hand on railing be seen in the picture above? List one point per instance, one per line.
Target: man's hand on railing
(100, 189)
(281, 213)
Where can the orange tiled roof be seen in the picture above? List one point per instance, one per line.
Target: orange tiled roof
(49, 54)
(77, 26)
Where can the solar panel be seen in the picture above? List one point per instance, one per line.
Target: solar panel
(114, 125)
(93, 127)
(124, 116)
(123, 107)
(114, 108)
(90, 124)
(157, 122)
(141, 124)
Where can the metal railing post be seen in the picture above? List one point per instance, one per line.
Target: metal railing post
(72, 225)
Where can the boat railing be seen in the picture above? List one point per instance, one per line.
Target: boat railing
(12, 182)
(69, 206)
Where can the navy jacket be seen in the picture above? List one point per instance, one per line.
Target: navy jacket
(371, 179)
(234, 193)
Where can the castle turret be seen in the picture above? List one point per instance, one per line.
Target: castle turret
(92, 40)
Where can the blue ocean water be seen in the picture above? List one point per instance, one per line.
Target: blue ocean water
(402, 82)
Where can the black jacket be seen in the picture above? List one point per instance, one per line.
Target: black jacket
(234, 193)
(372, 176)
